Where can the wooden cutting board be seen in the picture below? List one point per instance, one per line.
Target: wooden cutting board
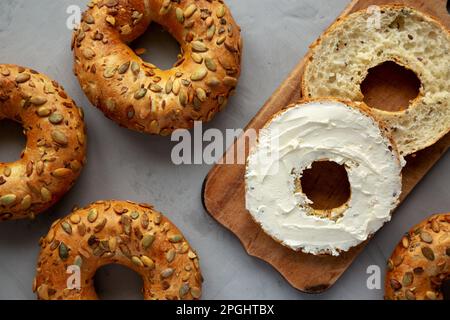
(224, 187)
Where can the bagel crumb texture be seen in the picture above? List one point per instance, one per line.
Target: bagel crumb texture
(421, 262)
(117, 232)
(341, 58)
(138, 95)
(55, 148)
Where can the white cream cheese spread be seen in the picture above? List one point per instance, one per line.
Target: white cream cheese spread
(322, 131)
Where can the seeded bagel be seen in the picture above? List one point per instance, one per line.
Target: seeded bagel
(117, 232)
(420, 263)
(137, 94)
(55, 149)
(340, 61)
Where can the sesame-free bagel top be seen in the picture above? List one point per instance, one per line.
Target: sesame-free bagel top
(138, 95)
(117, 232)
(55, 149)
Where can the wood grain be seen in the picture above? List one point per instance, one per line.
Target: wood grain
(224, 188)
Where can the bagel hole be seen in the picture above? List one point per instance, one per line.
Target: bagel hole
(445, 288)
(390, 87)
(12, 141)
(116, 282)
(448, 6)
(161, 49)
(326, 184)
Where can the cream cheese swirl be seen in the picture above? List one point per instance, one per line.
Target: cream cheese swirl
(317, 131)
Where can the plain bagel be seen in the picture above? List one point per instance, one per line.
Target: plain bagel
(420, 264)
(340, 61)
(322, 130)
(117, 232)
(55, 149)
(138, 95)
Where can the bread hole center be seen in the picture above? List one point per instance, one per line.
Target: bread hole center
(12, 141)
(448, 6)
(116, 282)
(390, 87)
(445, 288)
(326, 184)
(158, 47)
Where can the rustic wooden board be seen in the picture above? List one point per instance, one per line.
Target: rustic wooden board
(224, 196)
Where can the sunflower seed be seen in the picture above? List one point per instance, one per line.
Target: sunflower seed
(109, 72)
(156, 88)
(428, 253)
(210, 64)
(221, 40)
(184, 289)
(100, 226)
(88, 53)
(211, 32)
(213, 82)
(197, 58)
(81, 229)
(409, 295)
(8, 200)
(176, 87)
(170, 255)
(61, 173)
(135, 68)
(196, 292)
(140, 93)
(43, 112)
(124, 68)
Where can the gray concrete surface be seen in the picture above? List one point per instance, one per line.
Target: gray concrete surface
(127, 165)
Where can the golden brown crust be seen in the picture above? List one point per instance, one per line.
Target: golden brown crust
(420, 262)
(117, 232)
(55, 150)
(138, 95)
(363, 108)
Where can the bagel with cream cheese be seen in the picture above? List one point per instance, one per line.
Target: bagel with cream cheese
(322, 130)
(137, 94)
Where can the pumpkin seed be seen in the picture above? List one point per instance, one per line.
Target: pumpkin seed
(8, 200)
(148, 240)
(230, 81)
(148, 262)
(92, 215)
(176, 87)
(112, 244)
(198, 46)
(170, 255)
(140, 93)
(56, 118)
(197, 58)
(22, 78)
(124, 68)
(100, 226)
(75, 219)
(221, 11)
(5, 72)
(213, 82)
(110, 104)
(201, 94)
(408, 279)
(38, 101)
(136, 261)
(210, 64)
(135, 67)
(78, 261)
(156, 88)
(435, 226)
(196, 292)
(190, 10)
(409, 295)
(109, 72)
(43, 112)
(88, 53)
(426, 237)
(66, 227)
(428, 253)
(176, 238)
(166, 273)
(26, 202)
(63, 251)
(46, 194)
(180, 15)
(431, 295)
(395, 285)
(211, 32)
(183, 98)
(405, 242)
(199, 75)
(184, 289)
(221, 40)
(61, 173)
(60, 138)
(134, 215)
